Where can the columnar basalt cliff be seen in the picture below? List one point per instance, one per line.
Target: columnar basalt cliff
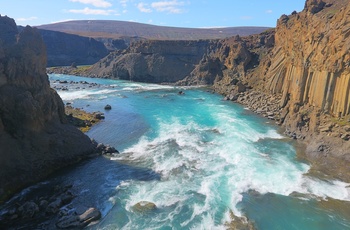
(308, 73)
(310, 69)
(35, 138)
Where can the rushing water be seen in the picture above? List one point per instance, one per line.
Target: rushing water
(196, 157)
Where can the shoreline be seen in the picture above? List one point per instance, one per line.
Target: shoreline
(81, 119)
(324, 148)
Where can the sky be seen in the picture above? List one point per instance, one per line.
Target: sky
(177, 13)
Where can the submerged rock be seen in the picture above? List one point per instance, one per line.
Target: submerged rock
(74, 220)
(239, 223)
(108, 107)
(144, 206)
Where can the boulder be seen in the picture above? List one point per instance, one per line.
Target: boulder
(108, 107)
(28, 209)
(99, 116)
(73, 220)
(144, 207)
(54, 206)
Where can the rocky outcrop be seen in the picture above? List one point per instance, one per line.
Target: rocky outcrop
(64, 49)
(152, 61)
(313, 67)
(35, 138)
(309, 70)
(202, 62)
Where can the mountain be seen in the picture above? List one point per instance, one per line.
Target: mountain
(35, 137)
(118, 29)
(297, 74)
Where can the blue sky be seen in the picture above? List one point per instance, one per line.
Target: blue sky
(178, 13)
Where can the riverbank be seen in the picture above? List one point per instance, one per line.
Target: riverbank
(326, 138)
(82, 119)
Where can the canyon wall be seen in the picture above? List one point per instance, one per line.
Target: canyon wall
(152, 61)
(35, 138)
(65, 49)
(311, 60)
(307, 74)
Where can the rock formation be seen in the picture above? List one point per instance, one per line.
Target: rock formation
(64, 49)
(152, 61)
(35, 138)
(309, 69)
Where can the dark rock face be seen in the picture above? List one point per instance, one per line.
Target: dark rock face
(202, 62)
(64, 49)
(152, 61)
(34, 137)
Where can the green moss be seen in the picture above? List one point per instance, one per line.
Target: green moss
(80, 118)
(342, 121)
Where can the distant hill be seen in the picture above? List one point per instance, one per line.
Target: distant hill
(118, 29)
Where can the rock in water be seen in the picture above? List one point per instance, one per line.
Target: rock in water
(79, 221)
(144, 207)
(108, 107)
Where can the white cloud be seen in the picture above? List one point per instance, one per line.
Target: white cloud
(268, 11)
(26, 19)
(124, 3)
(89, 11)
(144, 7)
(96, 3)
(168, 6)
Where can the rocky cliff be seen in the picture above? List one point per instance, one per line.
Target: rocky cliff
(64, 49)
(308, 74)
(35, 138)
(152, 61)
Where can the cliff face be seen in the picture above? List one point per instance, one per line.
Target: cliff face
(64, 49)
(307, 74)
(309, 67)
(311, 59)
(152, 61)
(34, 137)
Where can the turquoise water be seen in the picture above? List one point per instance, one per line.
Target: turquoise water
(196, 157)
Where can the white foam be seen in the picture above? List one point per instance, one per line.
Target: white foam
(206, 175)
(83, 94)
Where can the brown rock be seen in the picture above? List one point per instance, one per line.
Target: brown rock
(144, 207)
